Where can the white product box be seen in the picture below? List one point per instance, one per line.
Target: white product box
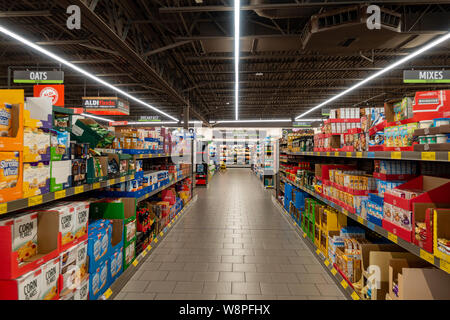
(25, 236)
(50, 275)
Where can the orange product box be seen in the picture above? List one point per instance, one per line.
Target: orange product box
(11, 175)
(11, 120)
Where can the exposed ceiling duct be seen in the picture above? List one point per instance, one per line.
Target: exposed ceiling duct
(346, 30)
(282, 13)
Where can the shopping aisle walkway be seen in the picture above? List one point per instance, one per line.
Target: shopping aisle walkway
(232, 244)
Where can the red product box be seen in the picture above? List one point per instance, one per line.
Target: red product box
(429, 105)
(47, 246)
(397, 230)
(393, 177)
(435, 191)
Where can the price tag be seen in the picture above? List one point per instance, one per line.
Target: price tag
(135, 262)
(141, 156)
(304, 235)
(336, 154)
(144, 253)
(60, 194)
(34, 201)
(392, 237)
(449, 156)
(349, 154)
(396, 155)
(149, 248)
(108, 293)
(170, 225)
(355, 296)
(429, 156)
(96, 185)
(344, 284)
(156, 240)
(122, 179)
(445, 266)
(328, 154)
(427, 256)
(359, 154)
(3, 208)
(333, 271)
(79, 189)
(360, 220)
(327, 263)
(317, 251)
(161, 233)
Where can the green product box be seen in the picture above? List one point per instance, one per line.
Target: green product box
(122, 208)
(129, 254)
(97, 169)
(83, 131)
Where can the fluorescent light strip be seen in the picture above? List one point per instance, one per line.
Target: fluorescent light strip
(237, 43)
(72, 66)
(381, 72)
(262, 121)
(95, 117)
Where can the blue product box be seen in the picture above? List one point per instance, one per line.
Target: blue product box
(98, 280)
(99, 240)
(115, 267)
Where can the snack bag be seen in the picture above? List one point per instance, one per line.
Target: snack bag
(5, 120)
(9, 169)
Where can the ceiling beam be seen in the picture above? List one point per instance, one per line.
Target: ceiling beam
(170, 46)
(323, 3)
(23, 14)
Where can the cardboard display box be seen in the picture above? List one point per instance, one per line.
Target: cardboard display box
(60, 175)
(429, 105)
(38, 112)
(97, 176)
(46, 241)
(417, 281)
(441, 230)
(14, 140)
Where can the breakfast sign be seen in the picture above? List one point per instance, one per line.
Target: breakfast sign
(106, 106)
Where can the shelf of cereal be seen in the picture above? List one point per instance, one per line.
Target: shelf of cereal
(11, 144)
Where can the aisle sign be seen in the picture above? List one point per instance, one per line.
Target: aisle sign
(38, 76)
(426, 76)
(106, 106)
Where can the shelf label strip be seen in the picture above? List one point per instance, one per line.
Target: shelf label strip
(427, 256)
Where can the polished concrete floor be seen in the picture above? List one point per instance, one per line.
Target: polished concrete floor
(232, 244)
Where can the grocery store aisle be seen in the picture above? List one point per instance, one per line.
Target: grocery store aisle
(232, 244)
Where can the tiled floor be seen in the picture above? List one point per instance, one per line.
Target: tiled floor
(232, 244)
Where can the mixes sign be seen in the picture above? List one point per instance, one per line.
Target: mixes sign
(106, 106)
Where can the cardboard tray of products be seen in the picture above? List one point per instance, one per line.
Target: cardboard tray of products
(432, 147)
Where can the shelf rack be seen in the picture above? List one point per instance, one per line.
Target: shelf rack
(431, 258)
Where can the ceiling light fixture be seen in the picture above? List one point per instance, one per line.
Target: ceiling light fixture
(97, 118)
(72, 66)
(237, 18)
(258, 74)
(381, 72)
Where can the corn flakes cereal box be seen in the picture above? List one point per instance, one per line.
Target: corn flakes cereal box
(81, 219)
(9, 169)
(30, 285)
(25, 236)
(82, 292)
(50, 275)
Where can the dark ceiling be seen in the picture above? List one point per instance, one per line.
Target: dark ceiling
(170, 53)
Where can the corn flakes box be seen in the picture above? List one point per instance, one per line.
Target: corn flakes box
(29, 285)
(82, 261)
(68, 267)
(25, 236)
(66, 223)
(50, 275)
(81, 219)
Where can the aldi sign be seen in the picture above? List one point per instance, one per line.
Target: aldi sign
(106, 106)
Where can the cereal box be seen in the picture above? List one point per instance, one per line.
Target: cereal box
(9, 169)
(66, 223)
(81, 219)
(82, 292)
(30, 285)
(25, 236)
(98, 280)
(50, 275)
(68, 267)
(82, 262)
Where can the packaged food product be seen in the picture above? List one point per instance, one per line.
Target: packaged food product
(423, 140)
(425, 124)
(431, 139)
(5, 120)
(443, 138)
(9, 169)
(30, 285)
(441, 122)
(25, 236)
(50, 275)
